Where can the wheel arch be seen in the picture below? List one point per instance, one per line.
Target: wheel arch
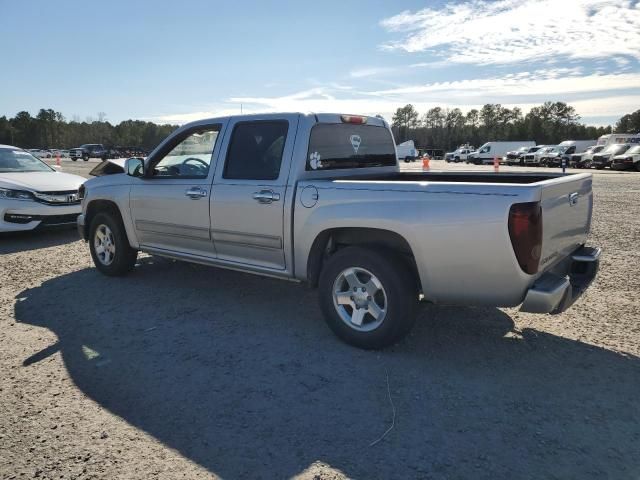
(100, 206)
(331, 240)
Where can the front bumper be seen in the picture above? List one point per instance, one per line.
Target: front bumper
(17, 216)
(623, 166)
(556, 290)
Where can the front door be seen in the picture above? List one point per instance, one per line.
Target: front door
(170, 204)
(247, 205)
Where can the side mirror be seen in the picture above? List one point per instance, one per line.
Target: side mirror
(134, 167)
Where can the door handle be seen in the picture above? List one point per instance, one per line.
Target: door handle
(266, 196)
(195, 192)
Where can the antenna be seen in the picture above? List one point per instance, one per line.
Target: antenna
(240, 109)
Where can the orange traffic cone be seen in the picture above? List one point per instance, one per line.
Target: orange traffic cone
(57, 159)
(425, 163)
(496, 164)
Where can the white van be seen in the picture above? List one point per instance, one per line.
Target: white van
(486, 153)
(407, 151)
(617, 138)
(569, 147)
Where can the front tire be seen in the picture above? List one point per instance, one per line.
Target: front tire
(368, 297)
(109, 245)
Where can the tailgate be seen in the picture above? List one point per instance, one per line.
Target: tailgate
(567, 203)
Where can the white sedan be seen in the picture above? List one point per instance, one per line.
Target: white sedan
(32, 194)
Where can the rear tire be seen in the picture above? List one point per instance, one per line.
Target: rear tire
(389, 301)
(109, 245)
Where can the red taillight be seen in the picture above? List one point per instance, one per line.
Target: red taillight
(525, 231)
(356, 119)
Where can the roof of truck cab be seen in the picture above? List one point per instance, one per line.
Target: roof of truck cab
(319, 117)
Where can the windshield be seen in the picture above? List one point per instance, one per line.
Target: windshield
(635, 149)
(15, 160)
(616, 149)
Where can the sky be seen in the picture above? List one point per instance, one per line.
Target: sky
(169, 61)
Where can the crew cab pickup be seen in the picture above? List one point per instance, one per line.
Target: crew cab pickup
(320, 198)
(89, 150)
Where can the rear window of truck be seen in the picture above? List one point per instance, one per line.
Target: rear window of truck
(335, 146)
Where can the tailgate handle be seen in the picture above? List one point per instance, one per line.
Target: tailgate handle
(573, 198)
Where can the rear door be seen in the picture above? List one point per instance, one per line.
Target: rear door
(247, 205)
(567, 204)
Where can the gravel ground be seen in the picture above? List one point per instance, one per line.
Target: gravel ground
(180, 371)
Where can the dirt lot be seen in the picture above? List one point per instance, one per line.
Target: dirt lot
(179, 371)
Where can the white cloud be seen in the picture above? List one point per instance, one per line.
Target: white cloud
(593, 95)
(559, 82)
(511, 31)
(370, 72)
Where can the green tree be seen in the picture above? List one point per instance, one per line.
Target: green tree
(629, 123)
(405, 118)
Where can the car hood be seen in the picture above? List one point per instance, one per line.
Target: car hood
(109, 167)
(41, 181)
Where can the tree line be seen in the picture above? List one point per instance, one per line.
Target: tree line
(50, 129)
(549, 124)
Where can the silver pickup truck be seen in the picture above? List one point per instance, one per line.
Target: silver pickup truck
(320, 198)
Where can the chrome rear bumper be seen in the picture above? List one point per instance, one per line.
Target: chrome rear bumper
(556, 290)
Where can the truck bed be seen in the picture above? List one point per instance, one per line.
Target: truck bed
(454, 177)
(452, 220)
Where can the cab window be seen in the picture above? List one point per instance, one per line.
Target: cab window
(255, 150)
(189, 156)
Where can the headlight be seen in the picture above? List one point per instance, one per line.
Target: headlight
(15, 194)
(82, 192)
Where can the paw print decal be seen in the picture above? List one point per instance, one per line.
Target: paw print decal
(314, 161)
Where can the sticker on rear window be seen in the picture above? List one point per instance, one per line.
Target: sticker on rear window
(314, 161)
(355, 142)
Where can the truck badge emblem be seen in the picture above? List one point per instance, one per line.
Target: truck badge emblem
(355, 142)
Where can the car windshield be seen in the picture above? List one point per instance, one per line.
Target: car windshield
(635, 149)
(16, 160)
(616, 149)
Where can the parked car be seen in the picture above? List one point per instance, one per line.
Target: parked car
(564, 152)
(551, 155)
(451, 156)
(34, 195)
(434, 153)
(584, 159)
(490, 150)
(40, 153)
(60, 153)
(459, 155)
(534, 159)
(629, 160)
(603, 159)
(407, 151)
(89, 150)
(320, 198)
(516, 157)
